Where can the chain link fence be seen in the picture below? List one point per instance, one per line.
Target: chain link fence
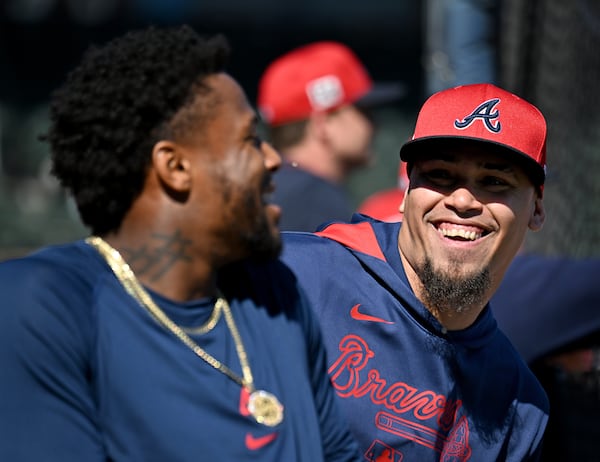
(550, 55)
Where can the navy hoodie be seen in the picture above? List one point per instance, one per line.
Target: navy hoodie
(412, 391)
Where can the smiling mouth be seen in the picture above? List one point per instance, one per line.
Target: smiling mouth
(267, 190)
(460, 233)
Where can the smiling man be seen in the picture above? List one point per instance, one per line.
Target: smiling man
(171, 333)
(416, 358)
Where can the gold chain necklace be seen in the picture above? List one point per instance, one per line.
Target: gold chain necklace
(209, 324)
(262, 405)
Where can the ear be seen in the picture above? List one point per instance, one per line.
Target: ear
(317, 125)
(172, 166)
(401, 207)
(538, 215)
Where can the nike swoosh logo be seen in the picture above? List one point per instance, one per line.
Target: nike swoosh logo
(254, 443)
(355, 314)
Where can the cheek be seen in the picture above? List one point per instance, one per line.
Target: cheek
(514, 222)
(516, 212)
(235, 163)
(245, 170)
(363, 130)
(418, 201)
(359, 143)
(353, 131)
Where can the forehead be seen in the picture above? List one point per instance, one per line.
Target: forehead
(225, 106)
(476, 154)
(227, 88)
(230, 96)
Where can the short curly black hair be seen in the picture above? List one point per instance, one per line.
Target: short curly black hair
(116, 105)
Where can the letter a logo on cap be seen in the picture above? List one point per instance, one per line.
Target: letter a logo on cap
(486, 113)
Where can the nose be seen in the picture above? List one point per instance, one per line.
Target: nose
(462, 200)
(272, 157)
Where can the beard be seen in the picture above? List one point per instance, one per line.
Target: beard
(258, 239)
(260, 242)
(448, 293)
(248, 232)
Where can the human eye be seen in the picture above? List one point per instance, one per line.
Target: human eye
(493, 180)
(495, 183)
(255, 140)
(438, 176)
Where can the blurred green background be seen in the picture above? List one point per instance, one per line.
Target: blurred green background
(544, 50)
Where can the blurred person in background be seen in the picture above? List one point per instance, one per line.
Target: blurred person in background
(316, 102)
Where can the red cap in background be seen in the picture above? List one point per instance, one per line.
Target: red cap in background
(321, 76)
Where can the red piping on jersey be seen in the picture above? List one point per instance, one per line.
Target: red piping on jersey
(357, 236)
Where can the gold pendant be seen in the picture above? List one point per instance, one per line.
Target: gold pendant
(265, 408)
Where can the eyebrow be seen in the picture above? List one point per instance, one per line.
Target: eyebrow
(503, 166)
(251, 124)
(258, 116)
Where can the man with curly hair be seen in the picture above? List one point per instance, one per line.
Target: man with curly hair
(172, 333)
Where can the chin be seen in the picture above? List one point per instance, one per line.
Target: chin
(265, 244)
(267, 253)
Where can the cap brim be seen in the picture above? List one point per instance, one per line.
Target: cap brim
(380, 94)
(412, 148)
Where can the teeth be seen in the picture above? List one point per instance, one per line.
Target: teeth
(457, 232)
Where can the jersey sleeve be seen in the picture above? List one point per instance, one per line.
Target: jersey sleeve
(47, 410)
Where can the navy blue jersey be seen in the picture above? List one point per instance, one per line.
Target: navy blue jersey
(88, 375)
(412, 391)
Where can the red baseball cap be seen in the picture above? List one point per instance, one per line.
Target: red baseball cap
(483, 113)
(321, 76)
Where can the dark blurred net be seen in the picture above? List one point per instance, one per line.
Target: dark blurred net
(550, 55)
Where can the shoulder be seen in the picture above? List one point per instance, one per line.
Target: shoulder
(49, 299)
(50, 282)
(308, 249)
(66, 263)
(361, 235)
